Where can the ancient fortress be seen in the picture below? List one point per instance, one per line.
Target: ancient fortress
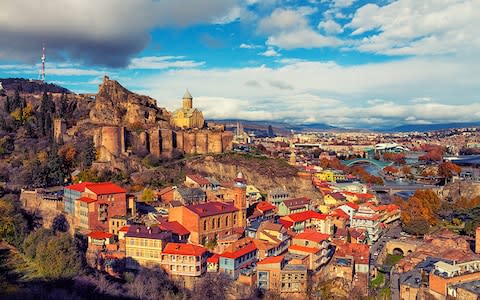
(127, 123)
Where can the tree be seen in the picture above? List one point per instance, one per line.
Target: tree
(63, 107)
(57, 257)
(148, 195)
(212, 286)
(13, 225)
(448, 169)
(417, 227)
(88, 153)
(60, 224)
(152, 284)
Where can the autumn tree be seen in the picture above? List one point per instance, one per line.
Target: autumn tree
(449, 169)
(212, 286)
(398, 158)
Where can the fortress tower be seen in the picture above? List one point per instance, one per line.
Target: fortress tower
(59, 128)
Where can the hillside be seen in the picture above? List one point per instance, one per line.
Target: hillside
(31, 86)
(264, 173)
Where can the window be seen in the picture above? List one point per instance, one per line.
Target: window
(213, 223)
(226, 221)
(205, 225)
(235, 219)
(218, 222)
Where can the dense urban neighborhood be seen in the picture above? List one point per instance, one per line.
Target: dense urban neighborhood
(108, 195)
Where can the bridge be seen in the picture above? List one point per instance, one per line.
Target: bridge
(392, 188)
(378, 163)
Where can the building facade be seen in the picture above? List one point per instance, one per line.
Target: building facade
(184, 259)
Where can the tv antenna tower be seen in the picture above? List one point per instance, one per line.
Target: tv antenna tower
(42, 71)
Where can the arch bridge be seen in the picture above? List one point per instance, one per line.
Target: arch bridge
(399, 247)
(378, 163)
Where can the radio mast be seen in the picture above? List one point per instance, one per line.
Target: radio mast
(42, 71)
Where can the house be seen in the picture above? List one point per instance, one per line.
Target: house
(334, 199)
(212, 263)
(98, 240)
(253, 195)
(340, 219)
(179, 233)
(99, 202)
(117, 222)
(274, 233)
(276, 196)
(263, 211)
(197, 181)
(292, 206)
(184, 259)
(359, 253)
(207, 221)
(314, 244)
(70, 194)
(349, 208)
(331, 176)
(276, 274)
(309, 219)
(189, 195)
(239, 256)
(368, 219)
(352, 235)
(144, 246)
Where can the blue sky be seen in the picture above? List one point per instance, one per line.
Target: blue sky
(347, 63)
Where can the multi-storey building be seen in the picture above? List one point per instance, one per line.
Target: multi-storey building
(309, 219)
(273, 273)
(368, 219)
(292, 206)
(314, 244)
(144, 246)
(98, 203)
(70, 194)
(184, 259)
(238, 256)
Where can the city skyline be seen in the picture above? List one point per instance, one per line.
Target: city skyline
(345, 63)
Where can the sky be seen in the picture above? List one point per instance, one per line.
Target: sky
(347, 63)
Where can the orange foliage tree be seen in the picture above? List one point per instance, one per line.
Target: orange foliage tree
(448, 169)
(423, 205)
(398, 158)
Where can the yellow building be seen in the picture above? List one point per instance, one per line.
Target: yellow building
(331, 176)
(144, 246)
(187, 116)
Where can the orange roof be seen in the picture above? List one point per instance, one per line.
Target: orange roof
(271, 260)
(250, 247)
(198, 179)
(339, 213)
(312, 250)
(105, 188)
(184, 249)
(313, 236)
(174, 227)
(305, 215)
(213, 259)
(86, 199)
(264, 206)
(372, 218)
(352, 205)
(100, 235)
(79, 187)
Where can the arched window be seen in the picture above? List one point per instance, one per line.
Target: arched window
(213, 223)
(234, 219)
(218, 222)
(205, 225)
(226, 221)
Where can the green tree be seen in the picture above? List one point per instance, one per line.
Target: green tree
(58, 257)
(33, 239)
(63, 107)
(148, 195)
(417, 227)
(13, 225)
(88, 154)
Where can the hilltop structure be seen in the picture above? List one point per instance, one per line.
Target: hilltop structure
(187, 117)
(127, 123)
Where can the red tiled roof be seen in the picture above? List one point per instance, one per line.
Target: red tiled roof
(174, 227)
(105, 188)
(86, 199)
(313, 236)
(184, 249)
(79, 187)
(304, 215)
(312, 250)
(124, 229)
(339, 213)
(211, 208)
(296, 202)
(250, 247)
(199, 179)
(213, 259)
(352, 205)
(338, 196)
(365, 196)
(264, 206)
(271, 260)
(360, 252)
(100, 235)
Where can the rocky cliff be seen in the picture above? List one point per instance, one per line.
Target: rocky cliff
(115, 105)
(263, 173)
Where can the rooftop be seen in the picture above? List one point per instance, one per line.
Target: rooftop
(313, 236)
(297, 202)
(238, 250)
(199, 179)
(79, 187)
(99, 235)
(271, 260)
(105, 188)
(311, 250)
(140, 231)
(305, 215)
(86, 200)
(211, 208)
(174, 227)
(184, 249)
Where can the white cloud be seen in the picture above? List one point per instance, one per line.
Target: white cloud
(270, 52)
(289, 29)
(249, 46)
(163, 62)
(343, 3)
(363, 95)
(408, 27)
(330, 26)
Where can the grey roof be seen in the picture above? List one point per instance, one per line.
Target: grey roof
(187, 95)
(190, 195)
(139, 231)
(472, 286)
(295, 268)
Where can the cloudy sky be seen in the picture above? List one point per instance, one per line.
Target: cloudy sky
(348, 63)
